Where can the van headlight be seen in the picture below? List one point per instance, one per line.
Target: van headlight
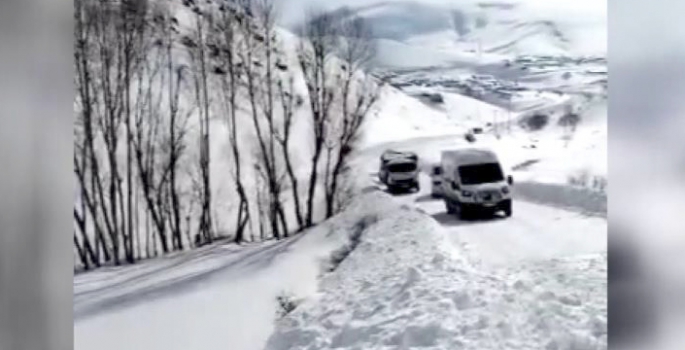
(466, 193)
(505, 190)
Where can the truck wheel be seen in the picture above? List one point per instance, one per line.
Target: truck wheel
(506, 207)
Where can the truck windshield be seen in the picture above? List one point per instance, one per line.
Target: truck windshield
(402, 167)
(480, 173)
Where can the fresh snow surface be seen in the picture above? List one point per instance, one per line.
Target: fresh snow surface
(400, 117)
(424, 279)
(420, 282)
(414, 277)
(420, 278)
(417, 278)
(554, 155)
(215, 298)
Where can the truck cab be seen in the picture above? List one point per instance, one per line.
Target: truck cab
(473, 181)
(399, 171)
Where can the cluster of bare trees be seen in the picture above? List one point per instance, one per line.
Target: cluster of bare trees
(147, 93)
(130, 133)
(347, 45)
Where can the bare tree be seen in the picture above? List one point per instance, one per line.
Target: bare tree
(146, 144)
(178, 120)
(133, 32)
(83, 137)
(197, 49)
(227, 43)
(257, 29)
(108, 52)
(359, 93)
(318, 45)
(109, 88)
(288, 104)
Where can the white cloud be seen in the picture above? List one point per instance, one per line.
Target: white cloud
(293, 10)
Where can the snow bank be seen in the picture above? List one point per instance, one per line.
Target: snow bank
(581, 199)
(405, 286)
(184, 301)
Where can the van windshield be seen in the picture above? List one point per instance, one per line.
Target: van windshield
(480, 173)
(402, 167)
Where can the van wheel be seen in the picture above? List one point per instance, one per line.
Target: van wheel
(506, 207)
(462, 213)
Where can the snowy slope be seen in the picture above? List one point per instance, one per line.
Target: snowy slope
(415, 277)
(443, 32)
(394, 105)
(400, 117)
(184, 302)
(413, 282)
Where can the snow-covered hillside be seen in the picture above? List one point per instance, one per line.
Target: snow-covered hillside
(424, 33)
(398, 272)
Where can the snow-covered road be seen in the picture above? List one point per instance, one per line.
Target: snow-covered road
(423, 279)
(549, 220)
(534, 232)
(417, 278)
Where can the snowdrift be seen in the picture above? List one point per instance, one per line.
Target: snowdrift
(405, 286)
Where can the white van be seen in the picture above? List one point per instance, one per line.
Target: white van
(473, 181)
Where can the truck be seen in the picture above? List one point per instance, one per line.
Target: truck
(473, 182)
(399, 170)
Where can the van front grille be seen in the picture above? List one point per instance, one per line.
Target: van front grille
(489, 196)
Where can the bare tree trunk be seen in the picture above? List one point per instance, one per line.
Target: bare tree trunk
(175, 140)
(127, 234)
(227, 39)
(200, 76)
(137, 225)
(87, 250)
(264, 139)
(81, 253)
(287, 103)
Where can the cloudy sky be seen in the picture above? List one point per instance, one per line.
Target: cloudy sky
(292, 11)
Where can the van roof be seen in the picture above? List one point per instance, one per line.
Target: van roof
(470, 156)
(400, 160)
